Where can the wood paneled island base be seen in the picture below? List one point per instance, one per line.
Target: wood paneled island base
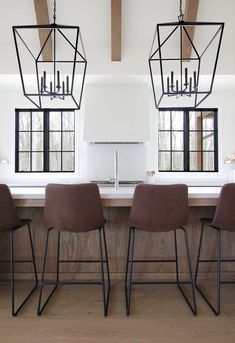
(148, 245)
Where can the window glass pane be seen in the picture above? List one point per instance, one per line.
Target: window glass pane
(195, 161)
(55, 161)
(177, 140)
(68, 141)
(208, 141)
(55, 121)
(208, 161)
(195, 120)
(68, 161)
(24, 161)
(24, 121)
(177, 120)
(37, 121)
(68, 121)
(164, 141)
(177, 161)
(208, 120)
(164, 161)
(24, 141)
(55, 141)
(164, 121)
(37, 141)
(37, 161)
(195, 141)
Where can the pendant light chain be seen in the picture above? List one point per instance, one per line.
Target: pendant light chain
(181, 16)
(54, 11)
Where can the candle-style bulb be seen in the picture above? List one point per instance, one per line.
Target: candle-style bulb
(190, 84)
(58, 79)
(42, 84)
(177, 86)
(186, 77)
(168, 85)
(172, 80)
(195, 80)
(44, 79)
(67, 84)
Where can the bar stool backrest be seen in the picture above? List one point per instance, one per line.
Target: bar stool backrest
(8, 215)
(75, 208)
(224, 217)
(159, 207)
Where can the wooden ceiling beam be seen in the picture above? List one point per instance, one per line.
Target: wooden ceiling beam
(116, 29)
(42, 16)
(190, 14)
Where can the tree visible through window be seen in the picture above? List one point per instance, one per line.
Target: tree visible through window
(44, 141)
(187, 140)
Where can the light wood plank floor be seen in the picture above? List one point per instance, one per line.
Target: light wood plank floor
(159, 315)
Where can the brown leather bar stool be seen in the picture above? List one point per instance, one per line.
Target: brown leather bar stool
(224, 219)
(75, 208)
(158, 208)
(10, 222)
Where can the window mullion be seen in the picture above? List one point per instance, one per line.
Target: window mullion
(31, 141)
(61, 137)
(46, 145)
(186, 141)
(171, 132)
(216, 152)
(17, 141)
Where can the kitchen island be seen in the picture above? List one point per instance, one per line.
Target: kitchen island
(202, 201)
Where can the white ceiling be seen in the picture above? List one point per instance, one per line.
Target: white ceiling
(139, 19)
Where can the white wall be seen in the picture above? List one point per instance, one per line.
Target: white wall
(11, 97)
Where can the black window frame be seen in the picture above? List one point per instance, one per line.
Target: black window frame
(46, 148)
(186, 143)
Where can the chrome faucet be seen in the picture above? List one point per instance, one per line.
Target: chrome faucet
(116, 170)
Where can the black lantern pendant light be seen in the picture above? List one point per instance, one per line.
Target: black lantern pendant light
(177, 62)
(52, 74)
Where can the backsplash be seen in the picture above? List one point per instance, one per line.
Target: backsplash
(132, 161)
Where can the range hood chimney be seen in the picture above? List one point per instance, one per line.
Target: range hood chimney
(116, 113)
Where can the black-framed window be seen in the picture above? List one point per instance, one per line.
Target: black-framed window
(188, 140)
(44, 140)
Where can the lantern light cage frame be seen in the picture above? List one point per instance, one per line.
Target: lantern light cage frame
(168, 86)
(54, 84)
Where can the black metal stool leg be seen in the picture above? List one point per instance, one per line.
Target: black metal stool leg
(42, 307)
(58, 259)
(33, 256)
(12, 262)
(176, 258)
(127, 268)
(218, 269)
(192, 305)
(218, 272)
(199, 253)
(12, 273)
(107, 269)
(128, 278)
(102, 261)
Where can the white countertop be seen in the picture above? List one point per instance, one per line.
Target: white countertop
(110, 193)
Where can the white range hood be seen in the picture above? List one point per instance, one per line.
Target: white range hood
(116, 113)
